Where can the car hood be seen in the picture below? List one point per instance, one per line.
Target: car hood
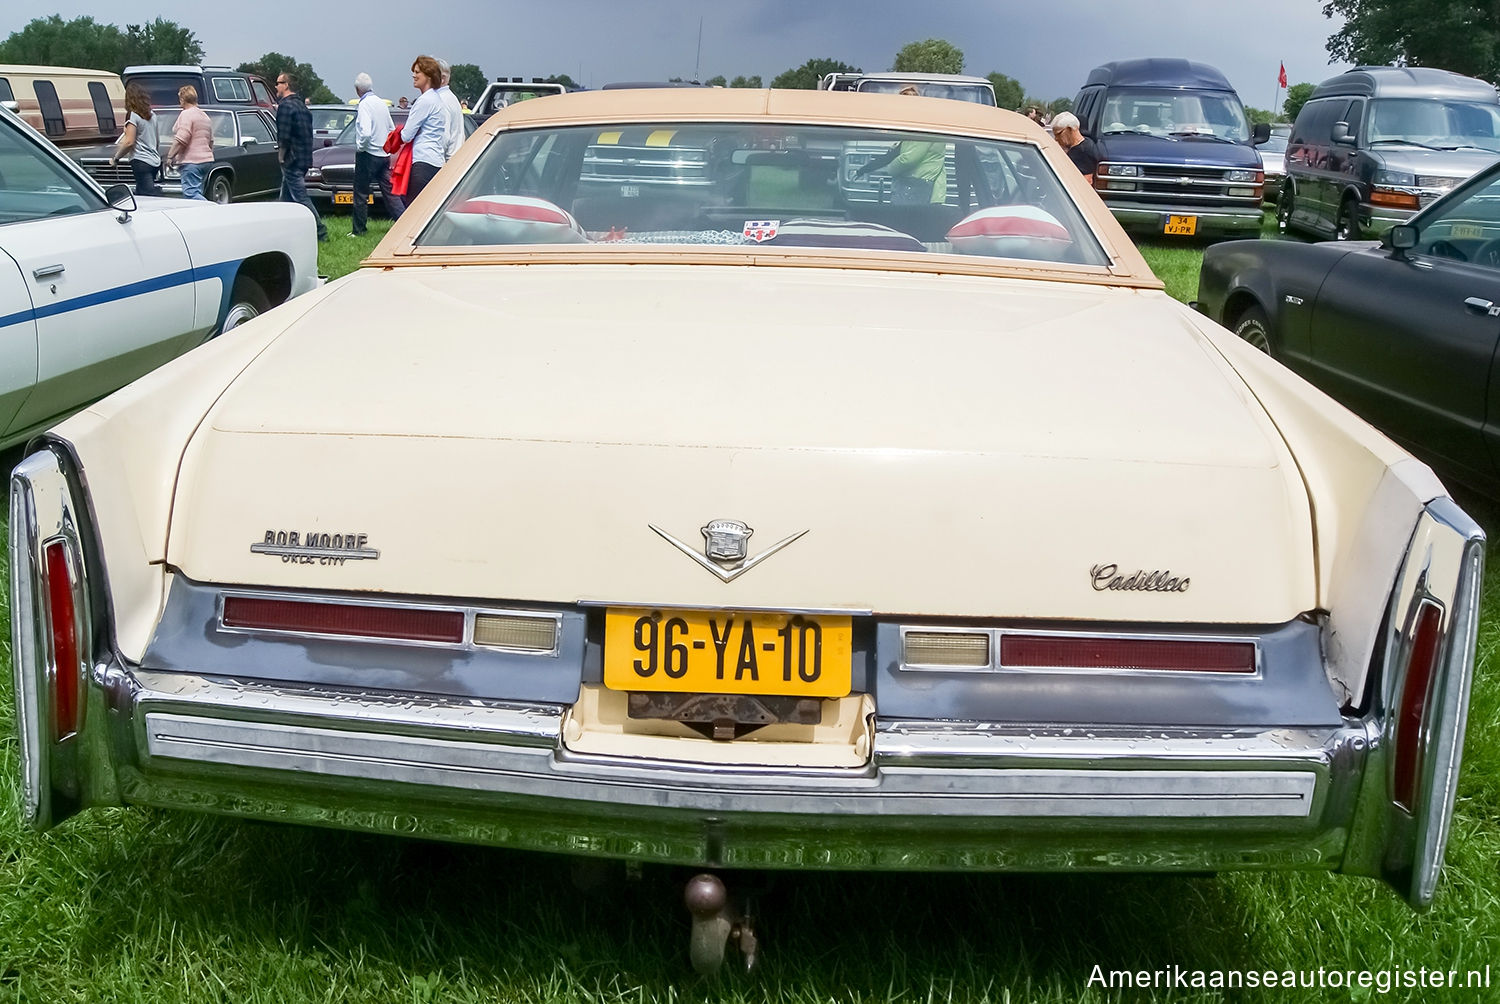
(1440, 163)
(328, 156)
(1184, 151)
(950, 445)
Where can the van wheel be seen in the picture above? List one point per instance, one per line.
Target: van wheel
(219, 189)
(1253, 327)
(1346, 227)
(246, 301)
(1284, 206)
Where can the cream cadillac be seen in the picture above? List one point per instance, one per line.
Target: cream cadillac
(675, 507)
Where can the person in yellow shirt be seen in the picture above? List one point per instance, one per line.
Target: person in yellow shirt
(918, 168)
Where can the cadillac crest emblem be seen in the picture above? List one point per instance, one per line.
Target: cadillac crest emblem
(726, 542)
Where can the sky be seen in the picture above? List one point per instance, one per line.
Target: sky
(1048, 45)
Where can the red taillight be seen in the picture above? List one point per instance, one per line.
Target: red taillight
(1426, 642)
(67, 664)
(1063, 652)
(344, 619)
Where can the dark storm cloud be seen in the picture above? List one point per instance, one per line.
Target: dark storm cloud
(1048, 46)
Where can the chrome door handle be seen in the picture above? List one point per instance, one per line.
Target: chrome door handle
(47, 270)
(1481, 305)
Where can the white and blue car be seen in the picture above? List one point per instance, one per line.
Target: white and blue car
(99, 287)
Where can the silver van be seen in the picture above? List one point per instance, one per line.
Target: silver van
(1376, 144)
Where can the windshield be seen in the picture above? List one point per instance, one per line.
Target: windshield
(1447, 125)
(162, 88)
(979, 94)
(398, 119)
(765, 187)
(331, 118)
(502, 97)
(1165, 111)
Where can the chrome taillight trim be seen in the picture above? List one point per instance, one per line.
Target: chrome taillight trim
(42, 510)
(997, 637)
(468, 644)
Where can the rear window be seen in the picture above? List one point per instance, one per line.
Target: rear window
(766, 187)
(162, 88)
(52, 113)
(5, 92)
(331, 118)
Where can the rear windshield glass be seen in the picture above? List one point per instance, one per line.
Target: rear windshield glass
(1173, 113)
(162, 89)
(1443, 125)
(331, 118)
(766, 186)
(979, 94)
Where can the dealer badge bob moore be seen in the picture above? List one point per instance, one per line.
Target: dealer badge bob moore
(315, 547)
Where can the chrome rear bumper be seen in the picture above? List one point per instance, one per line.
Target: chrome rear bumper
(933, 796)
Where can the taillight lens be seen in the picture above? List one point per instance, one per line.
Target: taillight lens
(344, 619)
(1064, 652)
(67, 662)
(1426, 644)
(1400, 200)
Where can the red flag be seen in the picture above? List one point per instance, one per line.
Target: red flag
(1281, 77)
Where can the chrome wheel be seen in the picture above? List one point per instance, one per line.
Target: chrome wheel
(247, 301)
(1346, 228)
(219, 190)
(1284, 207)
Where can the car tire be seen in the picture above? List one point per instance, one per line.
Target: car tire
(1284, 207)
(247, 300)
(1346, 225)
(1254, 328)
(219, 189)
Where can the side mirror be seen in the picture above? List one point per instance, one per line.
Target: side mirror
(250, 141)
(1400, 238)
(1260, 133)
(1341, 134)
(122, 198)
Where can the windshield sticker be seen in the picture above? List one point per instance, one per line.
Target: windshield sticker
(760, 231)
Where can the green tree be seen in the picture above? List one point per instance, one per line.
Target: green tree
(752, 82)
(1258, 115)
(1296, 97)
(564, 79)
(1458, 35)
(719, 81)
(467, 80)
(806, 76)
(309, 84)
(932, 55)
(51, 41)
(161, 42)
(1008, 90)
(1059, 105)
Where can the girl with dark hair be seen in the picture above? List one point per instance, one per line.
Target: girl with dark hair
(140, 139)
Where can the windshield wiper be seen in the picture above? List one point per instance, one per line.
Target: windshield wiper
(1471, 146)
(1200, 135)
(1128, 132)
(1402, 142)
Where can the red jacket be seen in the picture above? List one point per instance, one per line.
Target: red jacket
(401, 164)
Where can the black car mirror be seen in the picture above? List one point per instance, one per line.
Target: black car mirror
(1341, 134)
(1260, 133)
(122, 198)
(1401, 238)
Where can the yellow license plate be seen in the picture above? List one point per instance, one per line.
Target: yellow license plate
(723, 652)
(343, 198)
(1466, 231)
(1181, 226)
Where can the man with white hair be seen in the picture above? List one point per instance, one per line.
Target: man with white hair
(455, 134)
(372, 124)
(1081, 150)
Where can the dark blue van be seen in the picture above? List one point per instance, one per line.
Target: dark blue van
(1176, 154)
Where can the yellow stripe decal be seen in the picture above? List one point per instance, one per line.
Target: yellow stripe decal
(609, 137)
(661, 137)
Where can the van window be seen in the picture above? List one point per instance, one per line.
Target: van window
(231, 89)
(1315, 121)
(262, 94)
(1175, 113)
(1440, 125)
(6, 94)
(162, 89)
(103, 110)
(52, 113)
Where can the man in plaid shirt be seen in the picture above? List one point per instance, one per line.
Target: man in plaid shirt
(294, 146)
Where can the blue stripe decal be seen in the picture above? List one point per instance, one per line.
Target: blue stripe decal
(223, 271)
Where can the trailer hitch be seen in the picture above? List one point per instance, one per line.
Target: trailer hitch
(717, 924)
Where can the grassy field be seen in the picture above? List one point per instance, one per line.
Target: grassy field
(156, 906)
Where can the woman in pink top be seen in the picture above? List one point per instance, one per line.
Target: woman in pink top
(192, 143)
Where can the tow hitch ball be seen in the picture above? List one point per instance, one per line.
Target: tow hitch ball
(716, 924)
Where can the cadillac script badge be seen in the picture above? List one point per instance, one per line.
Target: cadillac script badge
(726, 542)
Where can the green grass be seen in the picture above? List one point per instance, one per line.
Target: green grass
(341, 253)
(147, 905)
